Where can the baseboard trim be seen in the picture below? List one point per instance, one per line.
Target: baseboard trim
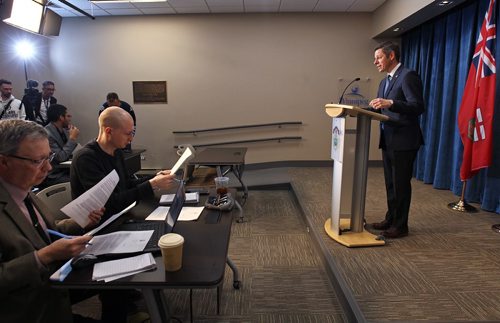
(301, 163)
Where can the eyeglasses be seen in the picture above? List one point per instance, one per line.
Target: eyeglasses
(36, 162)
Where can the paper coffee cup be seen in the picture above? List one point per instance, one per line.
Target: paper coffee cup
(171, 250)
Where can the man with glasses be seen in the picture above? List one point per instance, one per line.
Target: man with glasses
(63, 137)
(112, 100)
(28, 255)
(36, 105)
(103, 155)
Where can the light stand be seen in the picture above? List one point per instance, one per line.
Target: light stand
(25, 71)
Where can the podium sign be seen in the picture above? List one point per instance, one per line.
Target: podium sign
(338, 132)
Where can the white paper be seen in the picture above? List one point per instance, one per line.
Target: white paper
(188, 152)
(193, 197)
(188, 213)
(119, 242)
(93, 199)
(114, 269)
(158, 214)
(111, 219)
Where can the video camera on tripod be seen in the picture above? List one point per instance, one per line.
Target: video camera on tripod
(30, 93)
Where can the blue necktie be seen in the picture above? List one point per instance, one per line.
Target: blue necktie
(386, 87)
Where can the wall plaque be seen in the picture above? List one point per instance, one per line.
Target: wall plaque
(150, 91)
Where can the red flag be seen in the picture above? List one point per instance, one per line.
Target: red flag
(475, 118)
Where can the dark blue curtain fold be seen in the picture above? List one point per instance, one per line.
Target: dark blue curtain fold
(441, 52)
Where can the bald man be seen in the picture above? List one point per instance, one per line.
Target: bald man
(99, 157)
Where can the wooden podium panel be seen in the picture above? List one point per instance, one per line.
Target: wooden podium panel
(352, 239)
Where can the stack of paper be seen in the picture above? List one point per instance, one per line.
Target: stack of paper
(188, 213)
(190, 198)
(115, 269)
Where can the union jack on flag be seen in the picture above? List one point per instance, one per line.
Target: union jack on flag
(475, 118)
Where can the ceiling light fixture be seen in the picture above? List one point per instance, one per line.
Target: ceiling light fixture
(445, 3)
(396, 29)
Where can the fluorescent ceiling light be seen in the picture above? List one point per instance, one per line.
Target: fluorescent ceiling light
(25, 14)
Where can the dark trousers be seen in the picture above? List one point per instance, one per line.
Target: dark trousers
(398, 171)
(116, 304)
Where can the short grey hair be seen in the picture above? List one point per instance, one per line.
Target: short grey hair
(14, 131)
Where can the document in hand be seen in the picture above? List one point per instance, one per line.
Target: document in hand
(186, 155)
(94, 199)
(115, 269)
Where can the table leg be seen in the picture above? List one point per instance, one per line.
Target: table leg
(156, 305)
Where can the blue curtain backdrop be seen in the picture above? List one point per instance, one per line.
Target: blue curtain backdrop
(441, 52)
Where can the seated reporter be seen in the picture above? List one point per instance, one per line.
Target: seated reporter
(63, 136)
(101, 156)
(28, 256)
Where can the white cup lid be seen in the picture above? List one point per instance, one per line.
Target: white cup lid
(170, 240)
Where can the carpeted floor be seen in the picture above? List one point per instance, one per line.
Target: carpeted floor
(283, 279)
(446, 270)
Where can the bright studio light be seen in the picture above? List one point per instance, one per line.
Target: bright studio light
(24, 49)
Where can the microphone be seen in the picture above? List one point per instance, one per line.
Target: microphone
(342, 96)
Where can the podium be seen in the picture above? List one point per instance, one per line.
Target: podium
(350, 232)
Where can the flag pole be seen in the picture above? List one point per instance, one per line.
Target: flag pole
(461, 205)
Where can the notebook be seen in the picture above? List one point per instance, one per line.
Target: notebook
(159, 227)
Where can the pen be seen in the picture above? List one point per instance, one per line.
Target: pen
(64, 236)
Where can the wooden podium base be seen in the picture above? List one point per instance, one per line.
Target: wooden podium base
(352, 239)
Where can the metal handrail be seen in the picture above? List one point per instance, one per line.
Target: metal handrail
(279, 124)
(279, 139)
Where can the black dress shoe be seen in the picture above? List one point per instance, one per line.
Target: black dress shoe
(384, 225)
(393, 233)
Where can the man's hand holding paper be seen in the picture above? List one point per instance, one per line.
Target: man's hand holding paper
(93, 199)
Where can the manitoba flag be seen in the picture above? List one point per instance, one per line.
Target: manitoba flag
(475, 118)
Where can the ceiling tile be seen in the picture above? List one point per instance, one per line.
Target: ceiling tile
(116, 5)
(333, 5)
(187, 3)
(124, 12)
(162, 4)
(97, 12)
(225, 3)
(366, 5)
(224, 9)
(192, 9)
(157, 11)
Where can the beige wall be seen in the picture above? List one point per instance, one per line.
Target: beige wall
(222, 70)
(393, 12)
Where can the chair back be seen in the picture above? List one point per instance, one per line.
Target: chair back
(56, 196)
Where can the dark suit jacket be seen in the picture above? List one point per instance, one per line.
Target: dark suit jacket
(25, 295)
(32, 106)
(402, 132)
(62, 150)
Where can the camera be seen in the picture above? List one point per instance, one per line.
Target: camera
(31, 88)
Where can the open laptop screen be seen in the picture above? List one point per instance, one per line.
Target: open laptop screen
(176, 207)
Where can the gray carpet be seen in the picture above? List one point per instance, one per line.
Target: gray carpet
(283, 279)
(446, 270)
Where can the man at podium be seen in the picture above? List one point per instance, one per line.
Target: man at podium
(400, 97)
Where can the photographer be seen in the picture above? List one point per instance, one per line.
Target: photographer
(10, 107)
(36, 103)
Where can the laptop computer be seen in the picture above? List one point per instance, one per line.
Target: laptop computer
(159, 227)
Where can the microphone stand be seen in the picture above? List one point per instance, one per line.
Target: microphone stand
(342, 96)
